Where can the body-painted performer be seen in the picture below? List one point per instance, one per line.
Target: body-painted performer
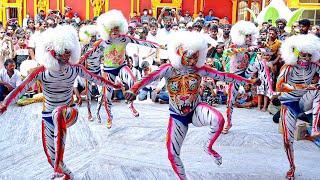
(112, 28)
(58, 53)
(243, 35)
(88, 36)
(301, 54)
(187, 54)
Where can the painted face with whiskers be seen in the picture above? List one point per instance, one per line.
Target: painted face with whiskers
(188, 57)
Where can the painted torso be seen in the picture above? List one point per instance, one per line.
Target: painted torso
(183, 88)
(297, 75)
(93, 62)
(58, 86)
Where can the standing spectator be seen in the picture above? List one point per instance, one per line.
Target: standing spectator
(224, 20)
(274, 44)
(163, 37)
(25, 21)
(10, 78)
(295, 29)
(68, 13)
(10, 30)
(187, 18)
(316, 30)
(145, 17)
(76, 18)
(225, 38)
(6, 47)
(265, 70)
(210, 16)
(304, 25)
(135, 18)
(200, 17)
(281, 24)
(21, 51)
(31, 26)
(40, 17)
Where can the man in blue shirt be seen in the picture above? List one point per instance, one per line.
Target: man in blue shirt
(210, 16)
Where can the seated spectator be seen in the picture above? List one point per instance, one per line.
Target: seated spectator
(146, 70)
(207, 92)
(221, 97)
(245, 98)
(10, 78)
(210, 16)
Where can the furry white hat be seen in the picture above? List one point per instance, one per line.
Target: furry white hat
(188, 41)
(26, 66)
(292, 46)
(57, 40)
(109, 20)
(86, 32)
(241, 29)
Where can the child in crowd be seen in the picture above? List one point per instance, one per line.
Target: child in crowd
(221, 97)
(245, 98)
(215, 56)
(265, 71)
(207, 92)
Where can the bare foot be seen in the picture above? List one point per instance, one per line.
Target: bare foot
(90, 117)
(263, 109)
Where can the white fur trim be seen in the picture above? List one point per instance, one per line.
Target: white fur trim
(188, 41)
(109, 20)
(58, 39)
(26, 66)
(303, 43)
(86, 32)
(241, 29)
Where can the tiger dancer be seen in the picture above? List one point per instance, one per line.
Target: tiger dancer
(301, 54)
(187, 54)
(240, 53)
(112, 28)
(58, 53)
(88, 37)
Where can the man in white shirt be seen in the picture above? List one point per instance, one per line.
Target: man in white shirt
(10, 78)
(163, 37)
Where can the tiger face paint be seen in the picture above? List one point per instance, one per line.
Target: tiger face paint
(183, 91)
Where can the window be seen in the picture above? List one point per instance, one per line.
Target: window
(242, 13)
(309, 1)
(312, 15)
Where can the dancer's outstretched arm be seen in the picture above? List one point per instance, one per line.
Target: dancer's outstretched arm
(141, 42)
(83, 72)
(21, 89)
(164, 71)
(223, 76)
(85, 56)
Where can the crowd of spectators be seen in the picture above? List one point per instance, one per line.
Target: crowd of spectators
(17, 44)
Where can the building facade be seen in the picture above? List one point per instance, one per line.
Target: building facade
(87, 9)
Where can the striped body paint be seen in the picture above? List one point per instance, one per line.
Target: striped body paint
(183, 89)
(112, 54)
(58, 112)
(295, 99)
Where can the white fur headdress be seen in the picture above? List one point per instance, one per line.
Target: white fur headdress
(241, 29)
(86, 32)
(109, 20)
(292, 46)
(57, 39)
(26, 66)
(191, 41)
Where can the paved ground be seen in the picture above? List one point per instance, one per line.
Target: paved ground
(135, 147)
